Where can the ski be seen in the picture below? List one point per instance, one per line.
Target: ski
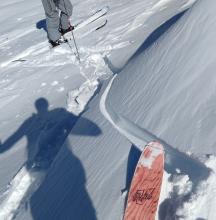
(102, 25)
(98, 14)
(146, 184)
(91, 27)
(92, 23)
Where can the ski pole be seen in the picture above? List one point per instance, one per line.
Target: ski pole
(77, 51)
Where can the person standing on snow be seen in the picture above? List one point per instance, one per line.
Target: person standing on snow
(57, 24)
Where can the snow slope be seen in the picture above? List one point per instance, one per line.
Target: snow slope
(84, 178)
(172, 97)
(177, 77)
(185, 184)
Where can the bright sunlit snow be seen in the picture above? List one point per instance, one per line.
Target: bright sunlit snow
(71, 132)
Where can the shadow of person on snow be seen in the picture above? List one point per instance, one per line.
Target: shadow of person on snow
(174, 161)
(46, 131)
(63, 194)
(201, 219)
(41, 25)
(133, 159)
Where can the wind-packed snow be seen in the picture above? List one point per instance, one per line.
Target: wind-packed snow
(60, 156)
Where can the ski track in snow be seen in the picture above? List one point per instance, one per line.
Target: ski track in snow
(14, 35)
(18, 190)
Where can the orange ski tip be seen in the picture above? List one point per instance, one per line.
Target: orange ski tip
(155, 144)
(146, 184)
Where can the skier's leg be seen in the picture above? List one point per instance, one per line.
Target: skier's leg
(52, 19)
(66, 9)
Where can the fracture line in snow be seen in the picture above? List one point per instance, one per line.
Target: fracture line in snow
(77, 99)
(92, 69)
(126, 127)
(135, 134)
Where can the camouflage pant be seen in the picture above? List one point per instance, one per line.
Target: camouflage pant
(53, 20)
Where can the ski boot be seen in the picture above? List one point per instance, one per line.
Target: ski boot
(57, 42)
(64, 31)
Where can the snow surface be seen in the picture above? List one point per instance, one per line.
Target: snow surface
(49, 107)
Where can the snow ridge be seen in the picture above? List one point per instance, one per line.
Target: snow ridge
(126, 127)
(183, 188)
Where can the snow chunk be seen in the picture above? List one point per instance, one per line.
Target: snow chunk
(203, 202)
(155, 152)
(54, 83)
(93, 69)
(78, 98)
